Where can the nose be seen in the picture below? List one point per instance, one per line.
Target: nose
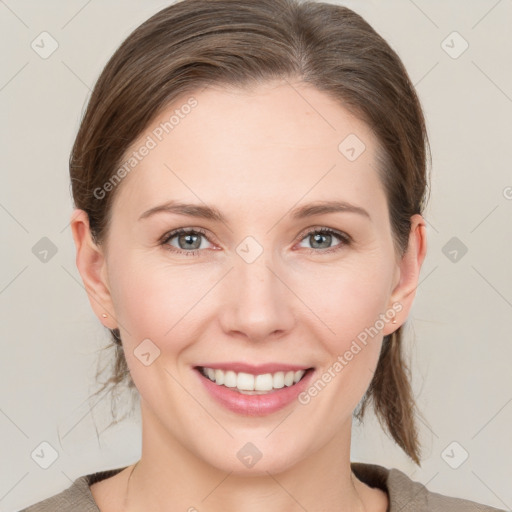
(256, 304)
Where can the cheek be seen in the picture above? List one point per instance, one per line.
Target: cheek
(349, 301)
(155, 302)
(347, 298)
(154, 299)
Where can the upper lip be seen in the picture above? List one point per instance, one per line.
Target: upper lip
(258, 369)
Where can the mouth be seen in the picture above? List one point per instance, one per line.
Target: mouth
(248, 390)
(254, 383)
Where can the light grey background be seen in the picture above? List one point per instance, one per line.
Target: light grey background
(458, 333)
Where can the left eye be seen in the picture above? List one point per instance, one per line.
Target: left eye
(322, 239)
(188, 240)
(191, 241)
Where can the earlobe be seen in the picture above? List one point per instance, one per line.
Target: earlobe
(91, 264)
(409, 272)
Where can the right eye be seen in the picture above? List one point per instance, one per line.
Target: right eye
(188, 241)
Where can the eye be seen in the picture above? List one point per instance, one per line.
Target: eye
(191, 241)
(321, 239)
(188, 241)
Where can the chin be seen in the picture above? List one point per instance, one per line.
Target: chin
(246, 458)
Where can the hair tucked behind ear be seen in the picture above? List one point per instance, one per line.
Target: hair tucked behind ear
(392, 398)
(194, 43)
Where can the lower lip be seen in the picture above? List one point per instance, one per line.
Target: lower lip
(255, 405)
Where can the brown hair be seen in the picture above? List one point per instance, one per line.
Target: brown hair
(194, 43)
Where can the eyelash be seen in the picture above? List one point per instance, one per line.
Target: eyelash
(345, 239)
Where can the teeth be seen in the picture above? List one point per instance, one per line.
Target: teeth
(245, 381)
(253, 384)
(230, 379)
(219, 377)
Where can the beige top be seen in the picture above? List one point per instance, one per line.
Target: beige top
(405, 495)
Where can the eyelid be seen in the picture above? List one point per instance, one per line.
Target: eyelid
(345, 239)
(178, 231)
(183, 231)
(314, 229)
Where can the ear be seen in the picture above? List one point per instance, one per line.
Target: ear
(408, 273)
(91, 263)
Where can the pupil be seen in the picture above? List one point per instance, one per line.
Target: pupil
(320, 236)
(189, 238)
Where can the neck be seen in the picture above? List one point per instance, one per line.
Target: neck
(174, 478)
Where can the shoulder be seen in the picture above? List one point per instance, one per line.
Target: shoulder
(407, 495)
(77, 496)
(410, 495)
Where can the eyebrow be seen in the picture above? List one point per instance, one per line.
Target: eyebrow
(212, 213)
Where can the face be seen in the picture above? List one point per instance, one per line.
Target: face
(271, 282)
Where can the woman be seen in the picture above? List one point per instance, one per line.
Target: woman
(249, 181)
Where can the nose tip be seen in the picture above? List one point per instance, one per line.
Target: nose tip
(256, 303)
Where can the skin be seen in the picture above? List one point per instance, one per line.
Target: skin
(255, 154)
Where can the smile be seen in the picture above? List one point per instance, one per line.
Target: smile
(267, 389)
(250, 384)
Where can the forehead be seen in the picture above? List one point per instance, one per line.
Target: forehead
(269, 145)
